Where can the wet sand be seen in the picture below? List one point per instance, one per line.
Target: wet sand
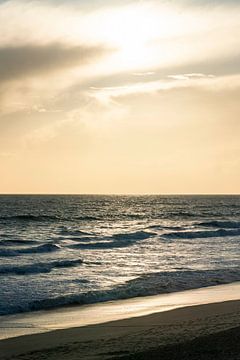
(209, 331)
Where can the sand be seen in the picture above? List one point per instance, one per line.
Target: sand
(209, 330)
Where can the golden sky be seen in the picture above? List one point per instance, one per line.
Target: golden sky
(100, 96)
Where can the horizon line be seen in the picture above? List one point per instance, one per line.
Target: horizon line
(119, 194)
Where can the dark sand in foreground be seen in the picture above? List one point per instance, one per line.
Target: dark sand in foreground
(209, 331)
(224, 345)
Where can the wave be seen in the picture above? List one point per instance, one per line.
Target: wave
(38, 268)
(29, 217)
(116, 241)
(179, 280)
(183, 214)
(70, 232)
(220, 224)
(44, 248)
(89, 218)
(47, 218)
(164, 227)
(138, 235)
(16, 242)
(201, 234)
(8, 253)
(145, 285)
(133, 216)
(33, 250)
(97, 245)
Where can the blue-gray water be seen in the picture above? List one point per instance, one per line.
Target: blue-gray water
(59, 250)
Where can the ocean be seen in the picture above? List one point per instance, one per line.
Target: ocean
(78, 249)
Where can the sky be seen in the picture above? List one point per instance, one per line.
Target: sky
(120, 97)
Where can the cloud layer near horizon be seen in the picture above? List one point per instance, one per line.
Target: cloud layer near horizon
(142, 96)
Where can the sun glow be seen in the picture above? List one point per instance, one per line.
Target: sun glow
(130, 30)
(133, 32)
(143, 35)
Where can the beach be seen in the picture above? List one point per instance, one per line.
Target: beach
(144, 337)
(120, 180)
(205, 331)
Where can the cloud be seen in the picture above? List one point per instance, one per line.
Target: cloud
(108, 93)
(189, 76)
(147, 73)
(210, 2)
(26, 60)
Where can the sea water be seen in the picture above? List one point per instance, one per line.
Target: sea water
(79, 249)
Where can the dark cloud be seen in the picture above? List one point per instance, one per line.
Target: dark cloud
(27, 60)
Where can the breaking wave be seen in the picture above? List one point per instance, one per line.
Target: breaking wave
(39, 267)
(138, 235)
(220, 224)
(201, 234)
(33, 250)
(148, 284)
(71, 232)
(16, 242)
(116, 241)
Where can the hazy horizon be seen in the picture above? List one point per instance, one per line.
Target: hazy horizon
(120, 194)
(120, 97)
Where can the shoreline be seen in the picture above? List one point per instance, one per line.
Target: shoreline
(118, 329)
(83, 315)
(128, 338)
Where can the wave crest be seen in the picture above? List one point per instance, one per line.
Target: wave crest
(39, 267)
(201, 234)
(33, 250)
(148, 284)
(116, 241)
(220, 224)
